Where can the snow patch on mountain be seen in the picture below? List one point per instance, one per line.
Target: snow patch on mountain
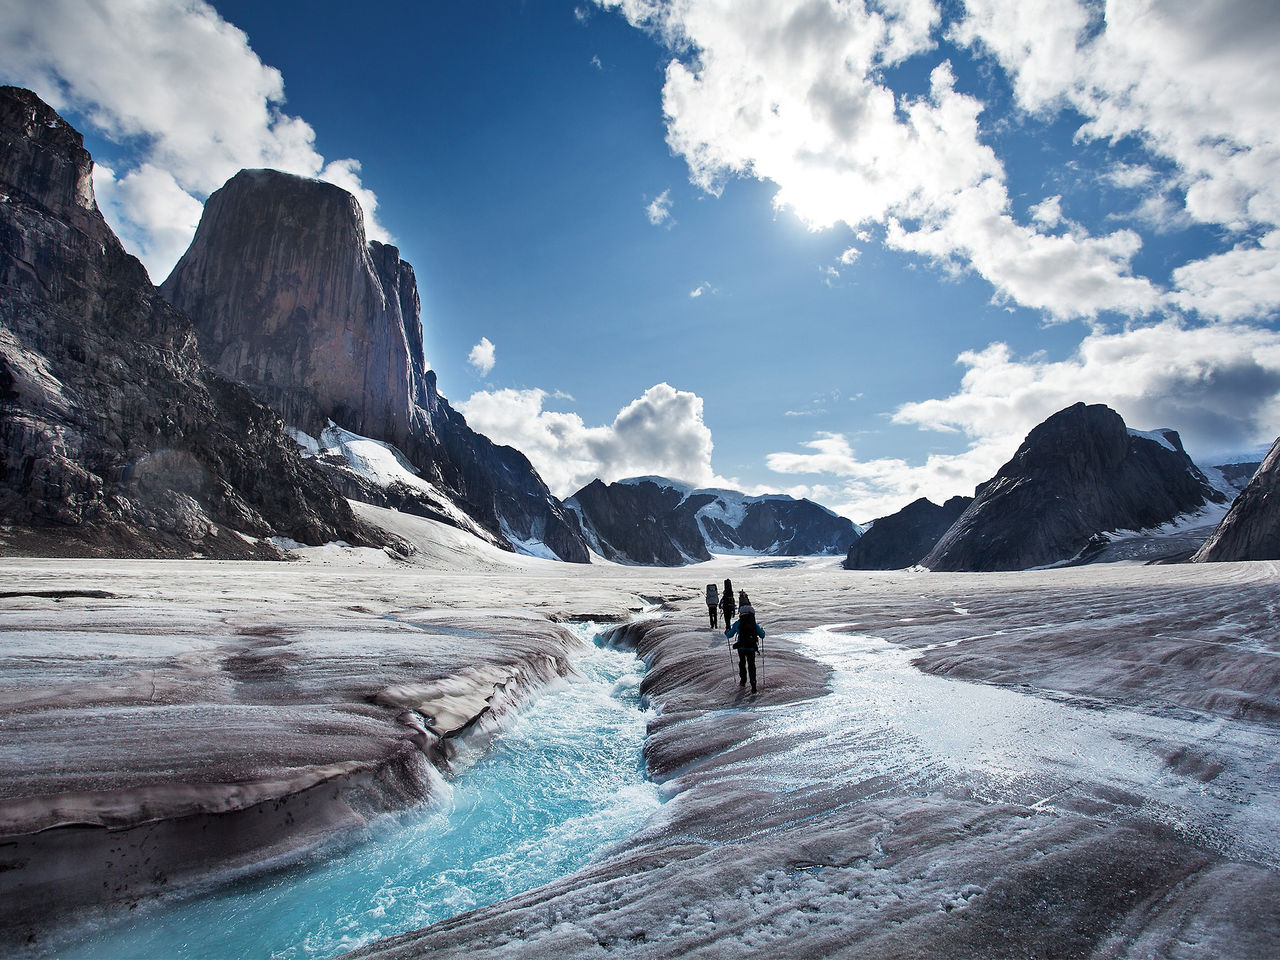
(1157, 436)
(383, 465)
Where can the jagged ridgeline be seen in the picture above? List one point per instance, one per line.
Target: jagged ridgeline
(115, 437)
(653, 520)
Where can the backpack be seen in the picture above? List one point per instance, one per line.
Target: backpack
(748, 636)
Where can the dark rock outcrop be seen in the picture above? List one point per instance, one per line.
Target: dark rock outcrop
(651, 520)
(641, 523)
(1251, 528)
(115, 437)
(1077, 475)
(904, 538)
(290, 300)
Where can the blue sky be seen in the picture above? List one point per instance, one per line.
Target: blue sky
(844, 250)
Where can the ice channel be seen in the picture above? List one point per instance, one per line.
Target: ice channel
(557, 788)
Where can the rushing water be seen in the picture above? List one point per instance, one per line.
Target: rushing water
(562, 784)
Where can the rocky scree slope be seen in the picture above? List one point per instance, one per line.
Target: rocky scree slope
(115, 437)
(1078, 475)
(1251, 528)
(291, 300)
(656, 521)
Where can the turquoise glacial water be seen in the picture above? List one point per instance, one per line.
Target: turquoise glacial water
(562, 784)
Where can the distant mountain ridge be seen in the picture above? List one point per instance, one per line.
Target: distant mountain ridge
(290, 300)
(654, 520)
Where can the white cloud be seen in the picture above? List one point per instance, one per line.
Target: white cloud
(700, 289)
(1129, 176)
(1219, 386)
(482, 357)
(1048, 211)
(793, 91)
(866, 489)
(184, 89)
(659, 210)
(148, 205)
(834, 455)
(660, 433)
(1193, 82)
(1237, 284)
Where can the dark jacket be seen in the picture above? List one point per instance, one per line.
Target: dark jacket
(745, 628)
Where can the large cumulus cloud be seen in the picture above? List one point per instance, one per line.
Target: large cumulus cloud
(660, 433)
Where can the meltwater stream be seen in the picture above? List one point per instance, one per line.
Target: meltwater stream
(562, 784)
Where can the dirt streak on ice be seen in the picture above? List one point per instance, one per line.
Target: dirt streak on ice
(925, 733)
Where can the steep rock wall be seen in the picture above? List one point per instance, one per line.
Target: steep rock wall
(114, 436)
(291, 300)
(1251, 528)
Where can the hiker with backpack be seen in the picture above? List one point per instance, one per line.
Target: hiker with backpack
(726, 603)
(750, 636)
(713, 603)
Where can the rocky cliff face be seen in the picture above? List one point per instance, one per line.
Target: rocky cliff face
(290, 300)
(904, 538)
(114, 436)
(1077, 475)
(655, 521)
(1251, 528)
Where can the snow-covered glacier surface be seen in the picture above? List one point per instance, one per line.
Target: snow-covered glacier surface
(1002, 745)
(562, 784)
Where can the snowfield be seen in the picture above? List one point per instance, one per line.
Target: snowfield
(1077, 762)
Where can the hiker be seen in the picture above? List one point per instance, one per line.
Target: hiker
(749, 634)
(726, 603)
(713, 603)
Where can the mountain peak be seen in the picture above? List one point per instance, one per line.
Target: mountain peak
(1079, 474)
(291, 300)
(114, 437)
